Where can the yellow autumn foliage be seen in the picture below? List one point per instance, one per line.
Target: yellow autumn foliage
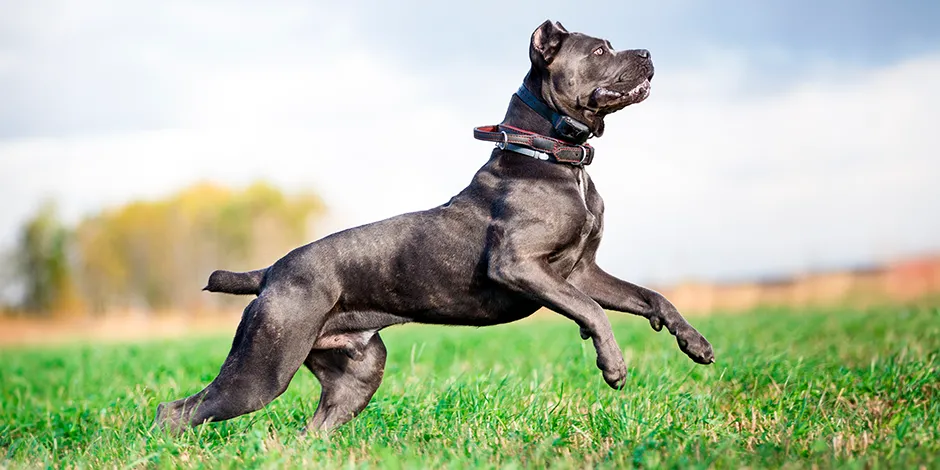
(157, 255)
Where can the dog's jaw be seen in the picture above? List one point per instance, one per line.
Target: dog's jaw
(605, 100)
(608, 100)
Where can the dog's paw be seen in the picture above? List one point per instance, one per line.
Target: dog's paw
(169, 419)
(616, 379)
(694, 345)
(615, 371)
(164, 420)
(656, 322)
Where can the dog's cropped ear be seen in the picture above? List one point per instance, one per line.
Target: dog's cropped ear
(546, 40)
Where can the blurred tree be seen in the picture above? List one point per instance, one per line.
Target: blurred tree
(10, 282)
(157, 255)
(42, 261)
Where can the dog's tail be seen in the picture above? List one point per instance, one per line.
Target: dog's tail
(236, 283)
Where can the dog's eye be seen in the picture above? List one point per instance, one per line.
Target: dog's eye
(599, 51)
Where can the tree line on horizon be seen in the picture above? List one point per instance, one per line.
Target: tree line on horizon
(154, 256)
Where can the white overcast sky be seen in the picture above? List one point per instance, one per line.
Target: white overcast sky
(780, 136)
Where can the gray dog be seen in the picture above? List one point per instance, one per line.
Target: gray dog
(521, 236)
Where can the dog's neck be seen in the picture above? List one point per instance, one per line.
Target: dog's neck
(521, 116)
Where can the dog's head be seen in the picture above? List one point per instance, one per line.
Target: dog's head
(584, 77)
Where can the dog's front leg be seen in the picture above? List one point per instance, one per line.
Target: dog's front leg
(535, 279)
(615, 294)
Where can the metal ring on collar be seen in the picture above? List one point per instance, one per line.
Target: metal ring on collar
(583, 155)
(502, 145)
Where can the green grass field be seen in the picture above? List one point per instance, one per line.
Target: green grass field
(790, 389)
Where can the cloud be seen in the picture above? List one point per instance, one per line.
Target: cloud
(833, 171)
(350, 124)
(708, 178)
(102, 66)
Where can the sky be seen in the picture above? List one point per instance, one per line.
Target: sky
(780, 137)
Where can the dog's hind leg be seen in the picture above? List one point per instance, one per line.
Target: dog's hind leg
(272, 341)
(347, 384)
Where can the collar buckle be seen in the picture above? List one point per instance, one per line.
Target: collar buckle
(503, 143)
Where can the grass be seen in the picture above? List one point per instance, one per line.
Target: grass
(838, 388)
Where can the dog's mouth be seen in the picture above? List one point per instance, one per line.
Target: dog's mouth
(610, 100)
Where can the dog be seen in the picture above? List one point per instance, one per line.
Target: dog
(523, 235)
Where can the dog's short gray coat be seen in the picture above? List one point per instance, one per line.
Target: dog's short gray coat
(521, 236)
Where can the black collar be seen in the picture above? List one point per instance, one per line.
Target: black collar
(567, 127)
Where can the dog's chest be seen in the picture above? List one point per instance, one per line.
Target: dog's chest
(590, 218)
(584, 227)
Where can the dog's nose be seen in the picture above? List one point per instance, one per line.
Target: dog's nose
(643, 53)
